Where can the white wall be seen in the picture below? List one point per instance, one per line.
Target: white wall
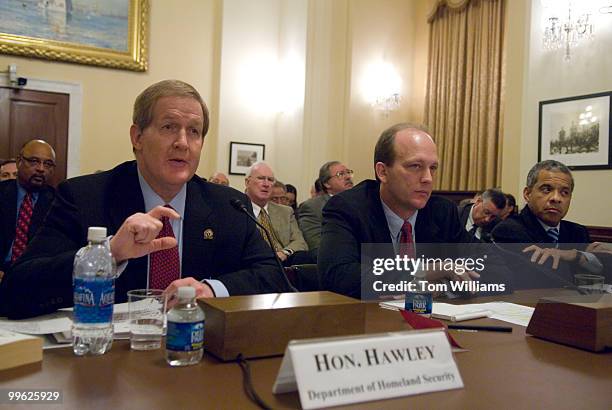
(547, 77)
(257, 38)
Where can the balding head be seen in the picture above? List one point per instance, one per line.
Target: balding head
(406, 160)
(35, 165)
(219, 178)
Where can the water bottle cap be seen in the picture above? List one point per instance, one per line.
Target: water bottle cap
(96, 233)
(186, 292)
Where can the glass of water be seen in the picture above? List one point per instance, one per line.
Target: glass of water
(147, 309)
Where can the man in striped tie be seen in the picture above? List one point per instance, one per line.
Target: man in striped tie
(544, 236)
(25, 201)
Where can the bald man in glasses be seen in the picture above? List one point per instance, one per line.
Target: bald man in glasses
(24, 201)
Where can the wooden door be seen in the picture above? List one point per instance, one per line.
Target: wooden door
(27, 114)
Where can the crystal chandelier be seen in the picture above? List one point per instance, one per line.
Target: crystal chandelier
(567, 33)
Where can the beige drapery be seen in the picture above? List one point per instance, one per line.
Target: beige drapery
(463, 107)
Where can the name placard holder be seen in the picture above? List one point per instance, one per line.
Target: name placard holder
(343, 370)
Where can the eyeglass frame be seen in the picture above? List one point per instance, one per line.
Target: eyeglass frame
(342, 174)
(34, 162)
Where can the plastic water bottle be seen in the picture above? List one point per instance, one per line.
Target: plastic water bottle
(419, 299)
(185, 336)
(93, 282)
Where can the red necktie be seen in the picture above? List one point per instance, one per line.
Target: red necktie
(406, 242)
(164, 265)
(22, 227)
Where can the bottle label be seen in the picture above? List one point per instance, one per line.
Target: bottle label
(419, 302)
(185, 337)
(93, 300)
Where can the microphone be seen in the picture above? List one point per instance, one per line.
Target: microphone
(542, 270)
(240, 207)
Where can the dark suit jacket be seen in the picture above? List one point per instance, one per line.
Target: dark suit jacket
(464, 213)
(355, 217)
(525, 229)
(41, 281)
(8, 214)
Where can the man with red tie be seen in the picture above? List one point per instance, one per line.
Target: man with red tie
(397, 209)
(168, 226)
(24, 202)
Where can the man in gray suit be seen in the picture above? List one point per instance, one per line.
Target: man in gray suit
(279, 220)
(335, 177)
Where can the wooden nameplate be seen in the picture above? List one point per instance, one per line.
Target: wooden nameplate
(262, 325)
(583, 321)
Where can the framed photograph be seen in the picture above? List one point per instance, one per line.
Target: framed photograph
(108, 33)
(576, 131)
(243, 155)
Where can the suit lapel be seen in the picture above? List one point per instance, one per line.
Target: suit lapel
(534, 226)
(197, 251)
(124, 196)
(427, 231)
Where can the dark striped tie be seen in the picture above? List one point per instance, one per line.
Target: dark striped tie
(553, 234)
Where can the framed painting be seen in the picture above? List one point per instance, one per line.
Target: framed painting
(108, 33)
(576, 131)
(243, 155)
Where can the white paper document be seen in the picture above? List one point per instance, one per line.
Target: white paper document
(507, 312)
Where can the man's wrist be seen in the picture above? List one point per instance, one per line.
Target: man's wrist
(288, 251)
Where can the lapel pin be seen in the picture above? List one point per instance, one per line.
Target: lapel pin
(209, 234)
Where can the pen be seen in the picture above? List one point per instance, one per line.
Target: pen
(506, 329)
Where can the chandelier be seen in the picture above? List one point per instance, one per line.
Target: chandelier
(567, 33)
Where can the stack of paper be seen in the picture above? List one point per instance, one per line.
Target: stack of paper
(507, 312)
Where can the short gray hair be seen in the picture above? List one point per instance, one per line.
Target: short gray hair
(255, 165)
(495, 196)
(548, 165)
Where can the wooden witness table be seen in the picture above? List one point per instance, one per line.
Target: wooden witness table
(500, 370)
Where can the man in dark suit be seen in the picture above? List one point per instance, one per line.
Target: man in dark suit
(478, 216)
(395, 210)
(544, 240)
(136, 201)
(334, 177)
(25, 200)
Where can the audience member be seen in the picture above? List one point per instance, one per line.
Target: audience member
(477, 217)
(334, 178)
(287, 239)
(291, 197)
(511, 210)
(24, 201)
(544, 236)
(219, 178)
(279, 193)
(8, 169)
(166, 222)
(396, 210)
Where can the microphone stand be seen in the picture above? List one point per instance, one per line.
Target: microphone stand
(239, 206)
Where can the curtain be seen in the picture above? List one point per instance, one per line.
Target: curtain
(463, 107)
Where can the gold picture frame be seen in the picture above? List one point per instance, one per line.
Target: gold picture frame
(123, 39)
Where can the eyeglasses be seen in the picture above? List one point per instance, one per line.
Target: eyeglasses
(34, 162)
(262, 178)
(342, 174)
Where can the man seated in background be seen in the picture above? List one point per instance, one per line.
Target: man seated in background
(477, 217)
(334, 178)
(279, 220)
(397, 211)
(511, 210)
(24, 201)
(219, 178)
(8, 169)
(279, 193)
(166, 223)
(545, 238)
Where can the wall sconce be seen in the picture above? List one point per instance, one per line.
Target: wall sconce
(567, 32)
(381, 86)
